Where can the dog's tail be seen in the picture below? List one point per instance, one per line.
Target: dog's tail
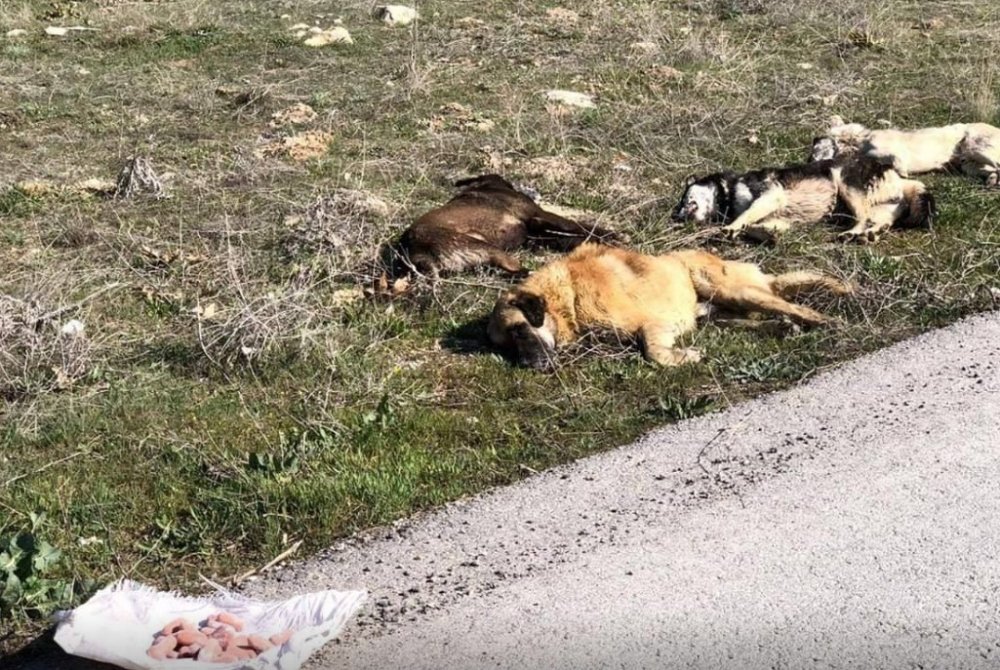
(920, 208)
(792, 284)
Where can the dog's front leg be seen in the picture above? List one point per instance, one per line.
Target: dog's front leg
(768, 230)
(764, 207)
(659, 341)
(880, 219)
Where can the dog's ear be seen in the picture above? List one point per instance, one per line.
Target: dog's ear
(690, 180)
(467, 181)
(485, 180)
(533, 308)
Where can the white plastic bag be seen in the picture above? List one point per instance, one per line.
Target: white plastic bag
(117, 625)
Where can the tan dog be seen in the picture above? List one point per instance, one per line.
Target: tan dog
(653, 298)
(974, 148)
(486, 220)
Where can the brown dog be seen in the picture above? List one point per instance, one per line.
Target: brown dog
(481, 225)
(654, 298)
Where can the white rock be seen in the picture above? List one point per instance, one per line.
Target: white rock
(17, 32)
(59, 31)
(72, 328)
(396, 15)
(645, 47)
(336, 35)
(570, 98)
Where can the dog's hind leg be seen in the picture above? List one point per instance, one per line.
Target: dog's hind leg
(564, 234)
(978, 155)
(752, 298)
(659, 339)
(501, 259)
(761, 209)
(918, 208)
(792, 284)
(981, 166)
(740, 289)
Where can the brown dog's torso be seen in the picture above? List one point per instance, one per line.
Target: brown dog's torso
(485, 221)
(460, 233)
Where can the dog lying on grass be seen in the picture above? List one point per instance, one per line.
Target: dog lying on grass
(973, 148)
(486, 220)
(653, 298)
(763, 204)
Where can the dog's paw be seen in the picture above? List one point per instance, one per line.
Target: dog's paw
(857, 237)
(730, 233)
(616, 238)
(993, 180)
(689, 355)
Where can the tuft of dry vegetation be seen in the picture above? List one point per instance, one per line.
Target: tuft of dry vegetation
(232, 388)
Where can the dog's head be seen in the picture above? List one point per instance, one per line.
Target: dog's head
(520, 324)
(840, 139)
(484, 182)
(701, 200)
(824, 149)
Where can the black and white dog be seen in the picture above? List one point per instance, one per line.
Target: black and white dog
(762, 204)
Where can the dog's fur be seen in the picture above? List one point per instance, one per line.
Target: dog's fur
(654, 298)
(762, 204)
(973, 148)
(486, 220)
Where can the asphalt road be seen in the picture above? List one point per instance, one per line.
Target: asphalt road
(851, 522)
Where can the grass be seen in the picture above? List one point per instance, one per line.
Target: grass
(236, 397)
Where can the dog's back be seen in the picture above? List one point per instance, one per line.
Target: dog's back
(485, 217)
(621, 288)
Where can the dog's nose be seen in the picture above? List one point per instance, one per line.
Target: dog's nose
(537, 355)
(542, 364)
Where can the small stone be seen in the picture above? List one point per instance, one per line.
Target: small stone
(72, 328)
(646, 48)
(17, 32)
(336, 35)
(667, 73)
(562, 15)
(296, 115)
(35, 188)
(570, 98)
(94, 186)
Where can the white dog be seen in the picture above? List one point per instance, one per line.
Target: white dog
(974, 148)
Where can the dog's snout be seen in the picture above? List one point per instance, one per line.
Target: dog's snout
(683, 212)
(533, 351)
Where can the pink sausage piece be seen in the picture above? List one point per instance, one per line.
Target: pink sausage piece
(231, 619)
(175, 626)
(188, 637)
(189, 651)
